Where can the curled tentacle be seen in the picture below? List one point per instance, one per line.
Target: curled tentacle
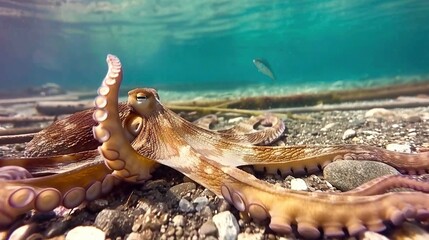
(246, 131)
(116, 149)
(389, 183)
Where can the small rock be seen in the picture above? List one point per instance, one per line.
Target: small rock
(200, 203)
(413, 119)
(227, 225)
(179, 220)
(207, 212)
(153, 184)
(349, 133)
(97, 205)
(57, 228)
(134, 236)
(185, 206)
(24, 231)
(114, 223)
(180, 190)
(348, 174)
(298, 184)
(250, 236)
(208, 229)
(327, 127)
(85, 232)
(403, 148)
(380, 113)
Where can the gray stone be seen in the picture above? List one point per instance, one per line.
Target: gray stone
(185, 206)
(200, 203)
(227, 225)
(114, 223)
(85, 232)
(349, 174)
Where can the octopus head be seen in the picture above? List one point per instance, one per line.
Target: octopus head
(143, 100)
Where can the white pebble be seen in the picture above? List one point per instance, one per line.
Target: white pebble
(85, 232)
(403, 148)
(298, 184)
(349, 133)
(227, 225)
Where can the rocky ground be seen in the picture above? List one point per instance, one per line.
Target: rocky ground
(170, 206)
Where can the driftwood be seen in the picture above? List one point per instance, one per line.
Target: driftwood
(23, 130)
(61, 108)
(354, 106)
(311, 99)
(26, 120)
(19, 138)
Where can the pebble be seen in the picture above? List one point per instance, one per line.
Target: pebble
(327, 127)
(179, 220)
(349, 133)
(227, 225)
(250, 236)
(180, 190)
(57, 228)
(134, 236)
(185, 206)
(208, 229)
(403, 148)
(97, 205)
(24, 231)
(200, 203)
(85, 232)
(298, 184)
(349, 174)
(380, 113)
(207, 212)
(114, 223)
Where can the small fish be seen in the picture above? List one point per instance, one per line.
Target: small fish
(264, 67)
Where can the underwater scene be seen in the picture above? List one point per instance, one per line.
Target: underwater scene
(214, 119)
(189, 49)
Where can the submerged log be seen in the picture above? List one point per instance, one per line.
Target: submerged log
(62, 108)
(26, 120)
(19, 138)
(311, 99)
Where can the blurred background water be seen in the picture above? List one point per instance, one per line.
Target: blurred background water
(192, 48)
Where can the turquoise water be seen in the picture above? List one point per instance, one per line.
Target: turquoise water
(209, 45)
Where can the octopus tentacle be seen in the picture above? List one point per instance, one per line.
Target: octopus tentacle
(70, 189)
(51, 164)
(116, 150)
(245, 131)
(387, 183)
(309, 210)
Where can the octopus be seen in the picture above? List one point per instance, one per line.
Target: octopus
(83, 157)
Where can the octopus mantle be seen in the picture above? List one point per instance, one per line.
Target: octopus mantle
(83, 156)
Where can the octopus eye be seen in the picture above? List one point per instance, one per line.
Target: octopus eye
(141, 98)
